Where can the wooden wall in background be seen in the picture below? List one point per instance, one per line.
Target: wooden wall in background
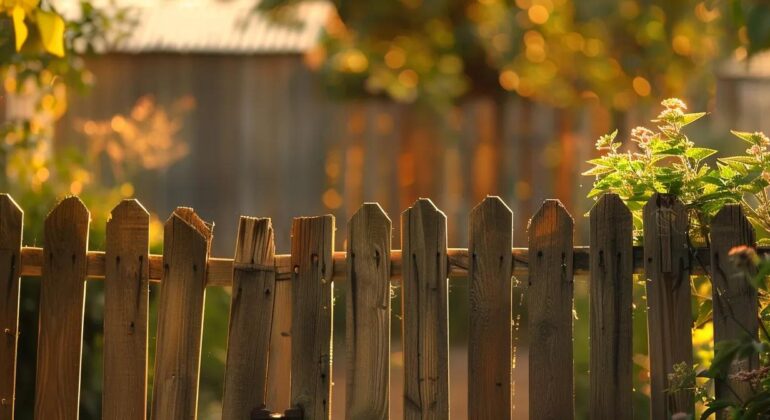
(265, 138)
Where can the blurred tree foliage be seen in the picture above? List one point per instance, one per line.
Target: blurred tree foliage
(555, 51)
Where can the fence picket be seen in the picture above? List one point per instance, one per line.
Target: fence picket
(735, 304)
(368, 314)
(251, 313)
(549, 308)
(425, 312)
(312, 247)
(186, 244)
(62, 299)
(611, 283)
(11, 221)
(126, 301)
(669, 318)
(278, 396)
(489, 342)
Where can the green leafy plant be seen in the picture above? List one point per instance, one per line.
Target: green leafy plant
(667, 161)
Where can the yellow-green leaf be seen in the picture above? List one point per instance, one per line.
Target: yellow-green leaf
(51, 28)
(20, 30)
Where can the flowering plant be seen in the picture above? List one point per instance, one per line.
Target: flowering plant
(667, 161)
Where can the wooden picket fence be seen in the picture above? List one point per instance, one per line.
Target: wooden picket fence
(279, 350)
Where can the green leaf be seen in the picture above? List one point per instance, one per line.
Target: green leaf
(699, 153)
(740, 159)
(744, 135)
(598, 170)
(691, 118)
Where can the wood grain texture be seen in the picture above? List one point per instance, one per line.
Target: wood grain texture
(62, 298)
(490, 342)
(251, 316)
(425, 312)
(549, 308)
(186, 244)
(11, 221)
(126, 302)
(368, 315)
(278, 396)
(312, 246)
(611, 284)
(734, 300)
(669, 318)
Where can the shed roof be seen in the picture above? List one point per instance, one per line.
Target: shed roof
(215, 26)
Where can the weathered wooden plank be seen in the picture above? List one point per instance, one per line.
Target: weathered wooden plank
(490, 341)
(611, 293)
(251, 316)
(126, 302)
(312, 246)
(62, 298)
(549, 308)
(11, 221)
(186, 244)
(278, 396)
(669, 318)
(425, 312)
(368, 314)
(734, 299)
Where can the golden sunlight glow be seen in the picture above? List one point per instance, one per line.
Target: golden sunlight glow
(538, 14)
(509, 80)
(641, 86)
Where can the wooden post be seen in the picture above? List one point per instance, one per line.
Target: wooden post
(425, 312)
(611, 283)
(62, 298)
(489, 342)
(733, 297)
(251, 316)
(312, 247)
(126, 302)
(186, 245)
(11, 221)
(368, 314)
(669, 317)
(549, 308)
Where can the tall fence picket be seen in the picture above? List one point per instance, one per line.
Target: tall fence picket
(368, 314)
(126, 304)
(251, 316)
(611, 284)
(187, 240)
(312, 247)
(425, 303)
(11, 220)
(734, 299)
(278, 396)
(490, 288)
(62, 300)
(669, 318)
(549, 308)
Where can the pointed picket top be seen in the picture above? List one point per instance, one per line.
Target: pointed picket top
(255, 242)
(731, 215)
(491, 208)
(11, 220)
(611, 206)
(128, 209)
(370, 211)
(188, 216)
(70, 212)
(552, 212)
(424, 206)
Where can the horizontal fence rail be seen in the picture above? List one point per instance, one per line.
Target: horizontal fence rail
(280, 355)
(220, 270)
